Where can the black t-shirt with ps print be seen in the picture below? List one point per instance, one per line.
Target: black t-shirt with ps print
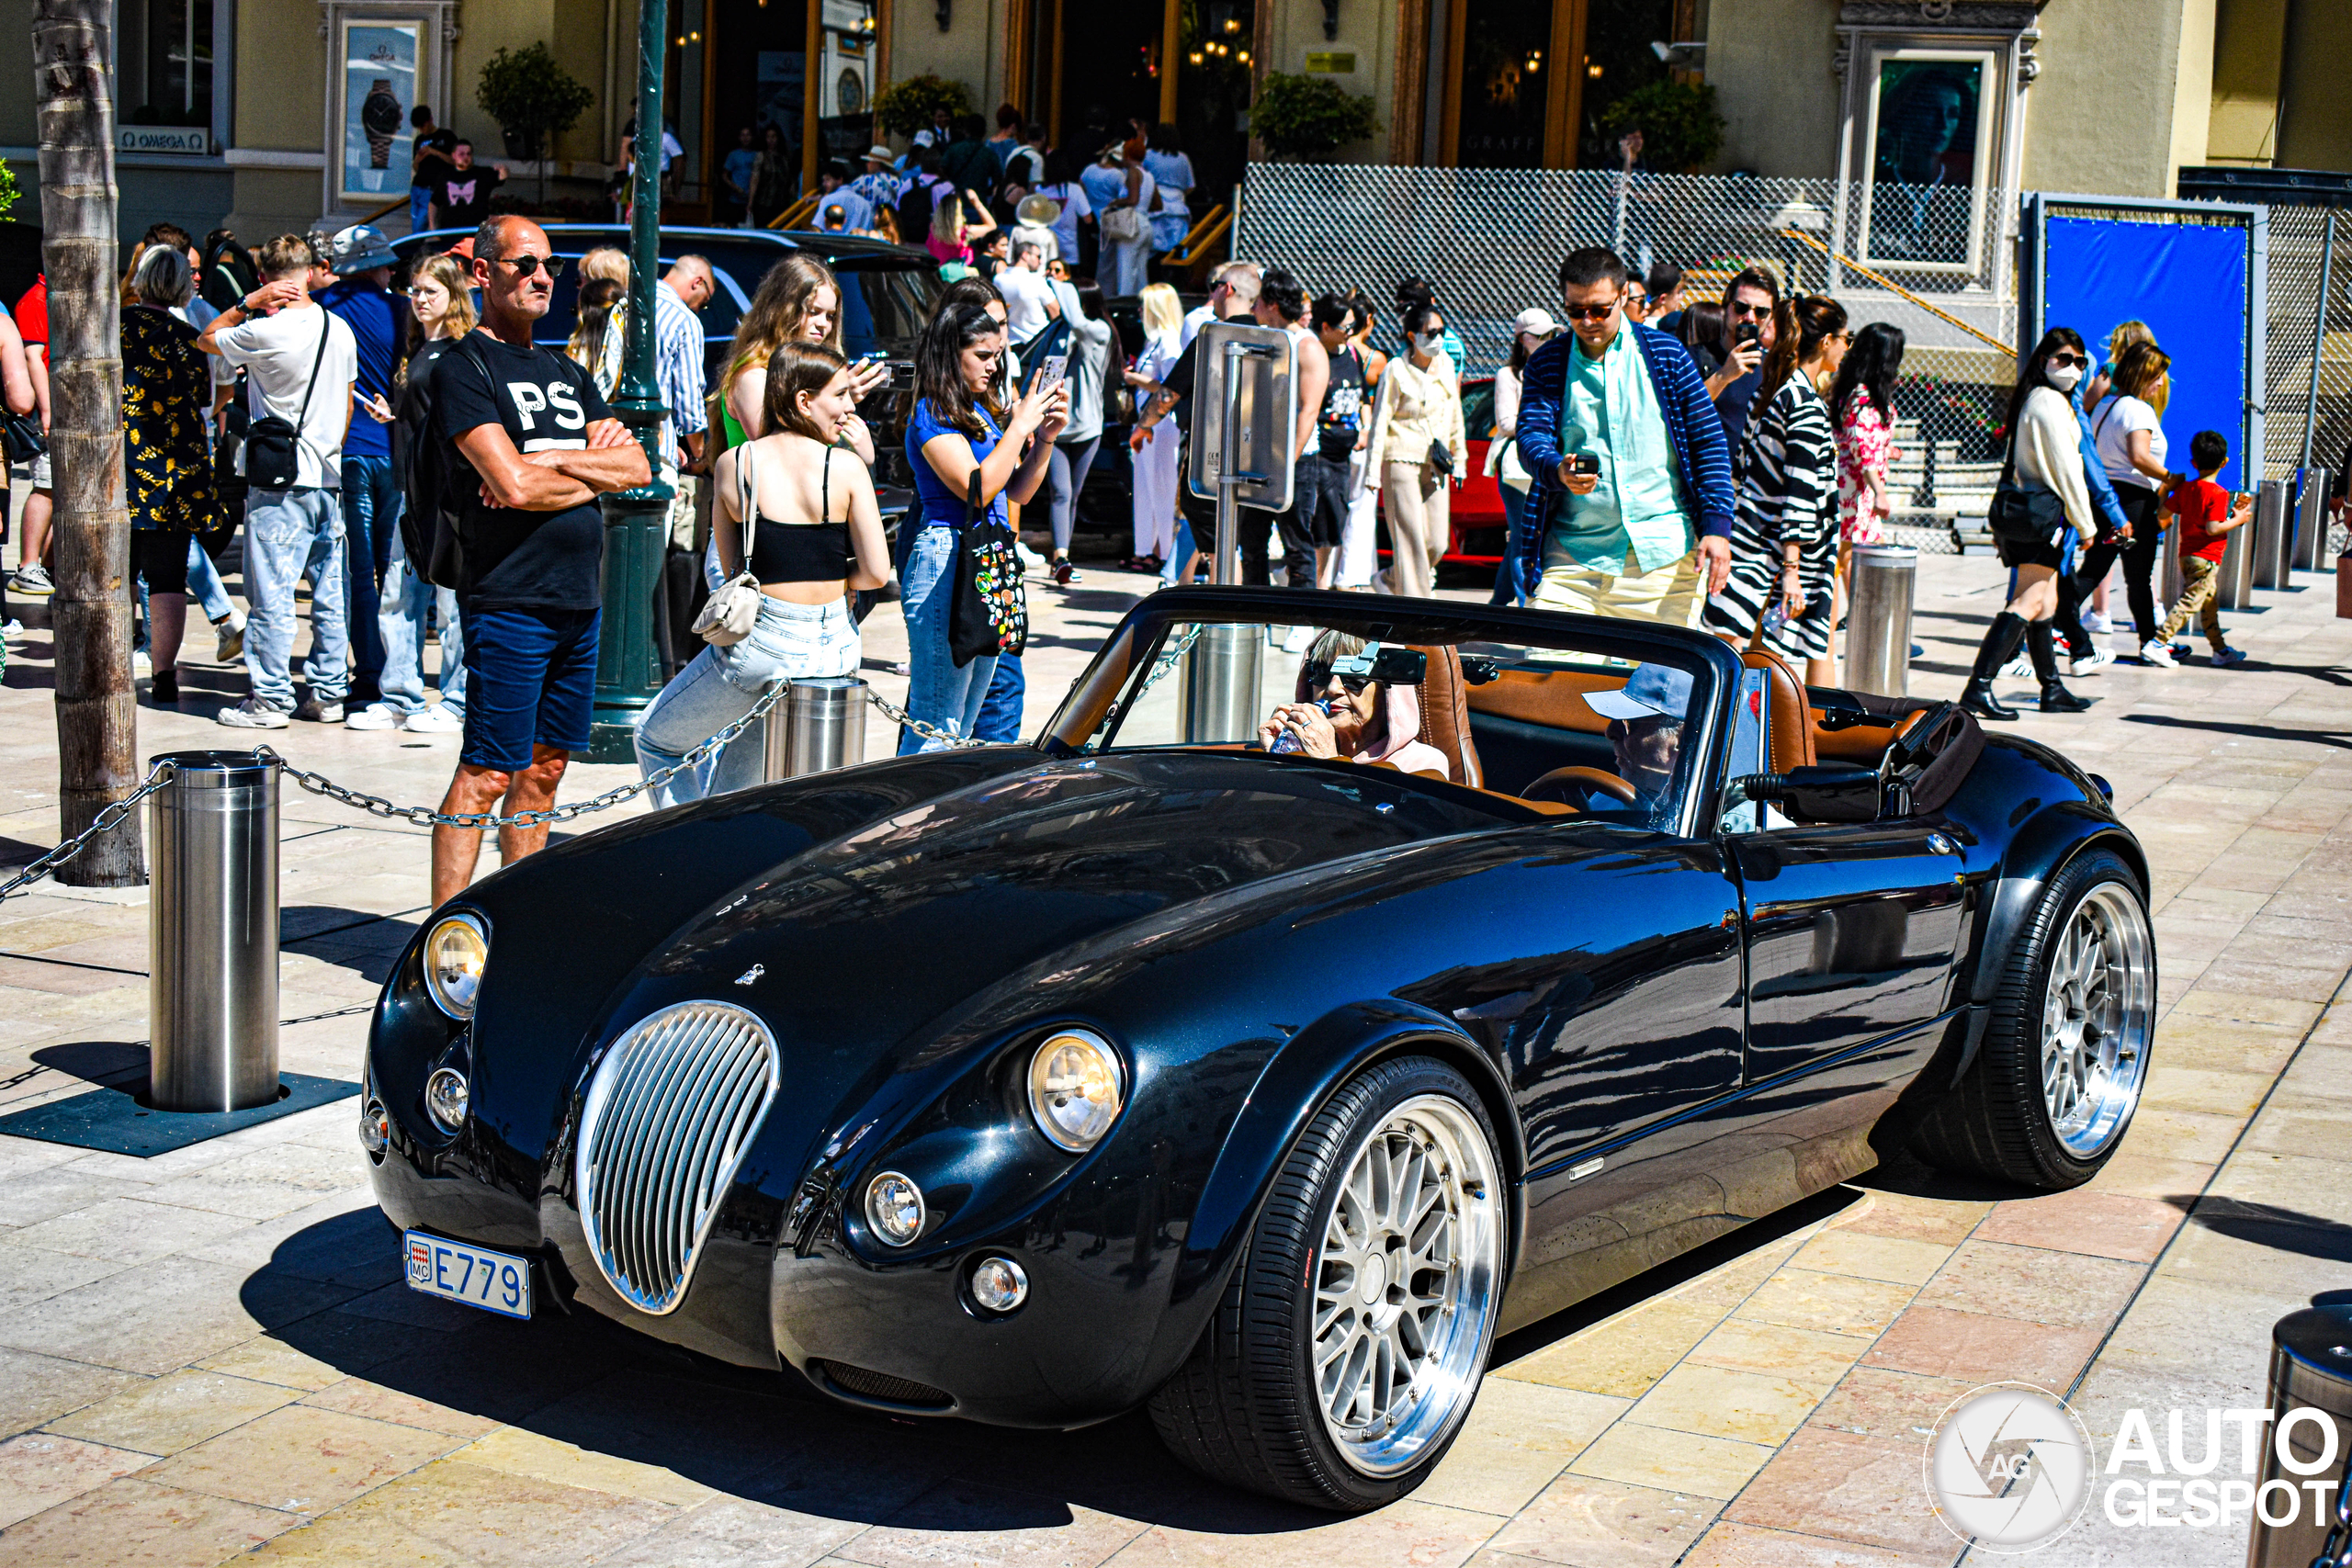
(516, 560)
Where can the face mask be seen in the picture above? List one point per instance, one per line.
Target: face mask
(1425, 341)
(2064, 377)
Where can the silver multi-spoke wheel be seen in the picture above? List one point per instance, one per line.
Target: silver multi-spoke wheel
(1405, 1288)
(2095, 1019)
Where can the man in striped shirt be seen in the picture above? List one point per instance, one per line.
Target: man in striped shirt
(678, 372)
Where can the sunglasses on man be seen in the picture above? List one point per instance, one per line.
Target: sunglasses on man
(1739, 309)
(1592, 312)
(525, 264)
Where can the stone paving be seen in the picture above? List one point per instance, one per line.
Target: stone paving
(211, 1353)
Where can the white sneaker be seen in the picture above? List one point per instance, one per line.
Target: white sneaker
(2018, 669)
(435, 721)
(2097, 623)
(232, 635)
(374, 715)
(1300, 639)
(31, 579)
(254, 713)
(2158, 654)
(139, 663)
(2091, 663)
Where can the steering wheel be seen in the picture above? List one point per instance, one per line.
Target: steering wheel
(1580, 787)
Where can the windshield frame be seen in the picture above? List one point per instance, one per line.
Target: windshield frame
(1714, 666)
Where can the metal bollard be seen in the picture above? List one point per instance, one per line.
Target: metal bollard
(1878, 621)
(2310, 1368)
(2311, 553)
(2233, 585)
(819, 725)
(2273, 530)
(212, 925)
(1220, 697)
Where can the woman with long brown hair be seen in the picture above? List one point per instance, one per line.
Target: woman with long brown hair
(2129, 428)
(799, 301)
(798, 514)
(1782, 591)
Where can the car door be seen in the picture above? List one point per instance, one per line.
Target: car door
(1851, 927)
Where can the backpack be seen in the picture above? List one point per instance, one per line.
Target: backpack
(430, 531)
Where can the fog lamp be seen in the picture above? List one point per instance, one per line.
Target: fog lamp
(447, 1098)
(455, 951)
(375, 1128)
(999, 1284)
(1076, 1085)
(894, 1208)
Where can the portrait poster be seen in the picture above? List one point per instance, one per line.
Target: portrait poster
(1925, 146)
(379, 90)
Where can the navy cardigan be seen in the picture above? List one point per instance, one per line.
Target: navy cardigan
(1697, 434)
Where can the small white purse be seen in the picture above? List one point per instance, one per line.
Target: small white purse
(728, 614)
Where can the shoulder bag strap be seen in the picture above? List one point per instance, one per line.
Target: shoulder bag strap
(326, 326)
(747, 522)
(825, 488)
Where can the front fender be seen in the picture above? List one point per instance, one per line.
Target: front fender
(1292, 1088)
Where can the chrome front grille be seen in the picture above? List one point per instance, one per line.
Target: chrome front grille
(670, 1111)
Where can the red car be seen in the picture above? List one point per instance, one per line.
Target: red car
(1480, 531)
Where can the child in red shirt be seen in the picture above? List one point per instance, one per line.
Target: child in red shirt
(2206, 519)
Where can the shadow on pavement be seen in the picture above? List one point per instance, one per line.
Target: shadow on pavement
(2251, 731)
(367, 944)
(763, 1437)
(2267, 1225)
(108, 1063)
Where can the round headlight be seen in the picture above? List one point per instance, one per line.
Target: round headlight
(1076, 1085)
(894, 1208)
(447, 1097)
(375, 1128)
(455, 951)
(999, 1284)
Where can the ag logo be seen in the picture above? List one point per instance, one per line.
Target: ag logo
(2008, 1467)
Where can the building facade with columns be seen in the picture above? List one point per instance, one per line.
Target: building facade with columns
(282, 113)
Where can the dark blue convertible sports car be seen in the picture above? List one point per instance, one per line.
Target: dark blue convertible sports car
(1337, 982)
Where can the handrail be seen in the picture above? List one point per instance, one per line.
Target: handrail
(388, 208)
(1194, 254)
(794, 216)
(1885, 282)
(1210, 224)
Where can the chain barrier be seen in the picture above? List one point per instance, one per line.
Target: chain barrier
(378, 806)
(104, 822)
(2335, 1552)
(898, 715)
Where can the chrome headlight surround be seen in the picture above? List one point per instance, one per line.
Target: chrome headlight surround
(895, 1210)
(1077, 1085)
(457, 947)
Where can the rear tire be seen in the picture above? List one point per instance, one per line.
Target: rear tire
(2065, 1052)
(1351, 1341)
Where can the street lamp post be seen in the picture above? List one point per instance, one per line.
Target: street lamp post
(628, 665)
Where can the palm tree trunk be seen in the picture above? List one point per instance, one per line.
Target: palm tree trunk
(98, 739)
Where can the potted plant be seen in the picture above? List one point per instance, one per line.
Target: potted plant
(1308, 118)
(911, 106)
(533, 100)
(1682, 132)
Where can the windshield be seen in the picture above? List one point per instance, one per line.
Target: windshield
(1584, 720)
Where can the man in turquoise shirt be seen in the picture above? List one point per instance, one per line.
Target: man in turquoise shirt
(1635, 476)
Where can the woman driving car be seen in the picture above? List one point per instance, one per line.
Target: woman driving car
(1343, 711)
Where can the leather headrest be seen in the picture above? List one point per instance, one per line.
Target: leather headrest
(1788, 719)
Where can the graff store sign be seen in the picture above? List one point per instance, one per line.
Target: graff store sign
(163, 138)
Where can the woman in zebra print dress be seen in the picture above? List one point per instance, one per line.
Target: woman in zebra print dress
(1784, 536)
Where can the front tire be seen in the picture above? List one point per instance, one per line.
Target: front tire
(2065, 1057)
(1351, 1341)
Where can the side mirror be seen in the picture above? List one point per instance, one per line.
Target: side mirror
(1833, 792)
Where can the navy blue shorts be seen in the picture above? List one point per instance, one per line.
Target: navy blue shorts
(530, 676)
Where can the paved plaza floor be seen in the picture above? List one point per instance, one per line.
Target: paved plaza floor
(210, 1354)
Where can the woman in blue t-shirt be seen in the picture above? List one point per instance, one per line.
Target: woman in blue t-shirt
(958, 427)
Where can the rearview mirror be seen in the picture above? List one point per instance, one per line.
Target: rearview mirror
(1831, 793)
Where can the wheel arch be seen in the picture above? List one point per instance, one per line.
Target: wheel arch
(2041, 847)
(1297, 1080)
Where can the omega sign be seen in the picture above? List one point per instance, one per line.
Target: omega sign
(163, 138)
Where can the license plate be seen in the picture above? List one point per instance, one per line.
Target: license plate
(495, 1282)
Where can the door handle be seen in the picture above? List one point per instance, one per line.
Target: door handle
(1940, 845)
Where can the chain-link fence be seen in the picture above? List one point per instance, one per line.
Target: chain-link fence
(2308, 245)
(1933, 261)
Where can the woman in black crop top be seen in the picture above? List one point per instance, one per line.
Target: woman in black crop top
(805, 508)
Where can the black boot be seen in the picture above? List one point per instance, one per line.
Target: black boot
(2000, 645)
(2041, 647)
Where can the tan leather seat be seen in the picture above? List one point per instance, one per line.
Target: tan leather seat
(1789, 719)
(1445, 717)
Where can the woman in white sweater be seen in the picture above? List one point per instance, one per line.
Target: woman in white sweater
(2046, 453)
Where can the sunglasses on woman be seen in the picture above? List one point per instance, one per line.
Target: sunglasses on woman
(2062, 359)
(1320, 676)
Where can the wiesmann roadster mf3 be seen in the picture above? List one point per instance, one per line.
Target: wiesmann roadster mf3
(1337, 982)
